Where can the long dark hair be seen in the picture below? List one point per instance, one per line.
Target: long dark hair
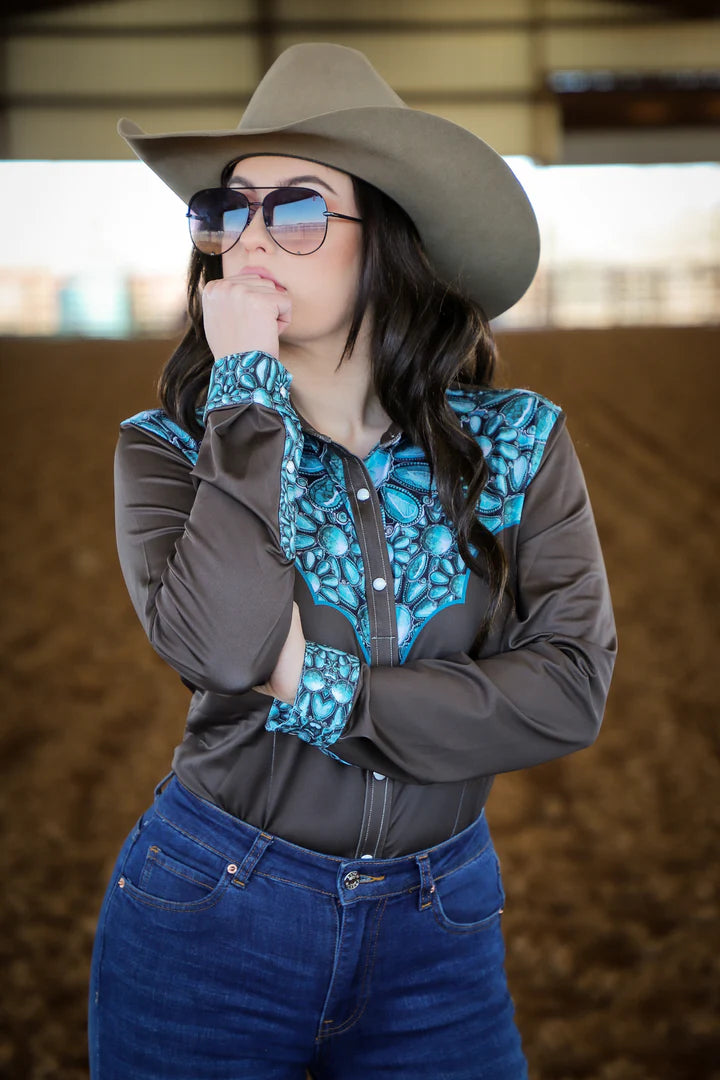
(426, 337)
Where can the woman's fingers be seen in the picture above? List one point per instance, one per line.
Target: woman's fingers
(244, 313)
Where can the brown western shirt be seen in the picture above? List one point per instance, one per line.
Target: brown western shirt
(399, 726)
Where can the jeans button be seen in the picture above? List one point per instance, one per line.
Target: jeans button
(352, 880)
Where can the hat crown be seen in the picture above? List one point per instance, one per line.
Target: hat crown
(311, 79)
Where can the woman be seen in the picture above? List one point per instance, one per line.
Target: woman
(381, 581)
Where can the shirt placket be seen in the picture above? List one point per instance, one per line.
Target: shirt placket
(379, 595)
(380, 598)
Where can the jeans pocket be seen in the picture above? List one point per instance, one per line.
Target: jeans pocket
(169, 878)
(173, 872)
(471, 897)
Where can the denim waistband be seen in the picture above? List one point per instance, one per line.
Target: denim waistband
(249, 850)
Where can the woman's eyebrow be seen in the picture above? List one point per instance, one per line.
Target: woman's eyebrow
(240, 181)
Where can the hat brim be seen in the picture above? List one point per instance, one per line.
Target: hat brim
(475, 220)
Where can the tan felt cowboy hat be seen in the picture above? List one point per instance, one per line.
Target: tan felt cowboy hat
(326, 103)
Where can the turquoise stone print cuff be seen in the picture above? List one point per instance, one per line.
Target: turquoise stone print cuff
(241, 378)
(324, 700)
(256, 378)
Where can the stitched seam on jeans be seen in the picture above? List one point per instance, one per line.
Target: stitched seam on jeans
(465, 928)
(186, 877)
(253, 857)
(191, 836)
(382, 896)
(208, 847)
(111, 897)
(332, 860)
(369, 965)
(339, 926)
(426, 882)
(233, 819)
(177, 906)
(297, 884)
(439, 877)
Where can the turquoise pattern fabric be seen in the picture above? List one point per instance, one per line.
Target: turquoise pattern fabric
(512, 428)
(159, 423)
(429, 573)
(258, 378)
(317, 528)
(326, 692)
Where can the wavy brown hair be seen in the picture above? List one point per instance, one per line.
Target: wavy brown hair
(426, 338)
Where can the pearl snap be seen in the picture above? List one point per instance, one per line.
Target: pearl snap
(379, 584)
(366, 856)
(378, 776)
(291, 466)
(363, 494)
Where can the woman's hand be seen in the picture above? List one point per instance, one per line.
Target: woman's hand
(244, 313)
(285, 679)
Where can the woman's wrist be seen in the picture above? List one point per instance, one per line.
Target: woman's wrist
(251, 342)
(327, 689)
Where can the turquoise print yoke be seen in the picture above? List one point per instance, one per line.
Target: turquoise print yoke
(511, 427)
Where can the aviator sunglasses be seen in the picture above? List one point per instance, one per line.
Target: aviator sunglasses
(295, 217)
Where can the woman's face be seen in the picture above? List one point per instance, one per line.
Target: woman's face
(322, 285)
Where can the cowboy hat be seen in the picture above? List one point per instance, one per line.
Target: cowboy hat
(326, 103)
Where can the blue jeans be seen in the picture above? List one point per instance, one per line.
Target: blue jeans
(224, 952)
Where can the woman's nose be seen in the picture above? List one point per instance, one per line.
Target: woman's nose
(255, 233)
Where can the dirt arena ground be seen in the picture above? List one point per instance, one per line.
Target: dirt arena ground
(610, 857)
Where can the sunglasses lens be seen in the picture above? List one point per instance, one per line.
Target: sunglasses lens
(295, 218)
(217, 217)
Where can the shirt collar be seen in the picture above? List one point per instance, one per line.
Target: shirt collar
(389, 437)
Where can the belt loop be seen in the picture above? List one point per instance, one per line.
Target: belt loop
(165, 780)
(427, 885)
(259, 845)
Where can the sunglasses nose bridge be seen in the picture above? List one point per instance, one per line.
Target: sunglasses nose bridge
(255, 210)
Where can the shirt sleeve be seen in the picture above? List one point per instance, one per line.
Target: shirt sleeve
(539, 696)
(207, 551)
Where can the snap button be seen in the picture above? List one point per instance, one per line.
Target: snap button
(232, 868)
(290, 466)
(352, 880)
(366, 856)
(363, 494)
(379, 584)
(378, 776)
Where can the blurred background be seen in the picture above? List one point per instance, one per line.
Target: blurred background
(609, 113)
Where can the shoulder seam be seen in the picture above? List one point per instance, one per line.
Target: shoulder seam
(489, 397)
(157, 423)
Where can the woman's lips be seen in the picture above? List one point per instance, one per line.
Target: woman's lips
(261, 272)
